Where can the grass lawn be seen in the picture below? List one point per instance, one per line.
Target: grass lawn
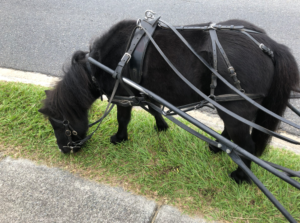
(172, 167)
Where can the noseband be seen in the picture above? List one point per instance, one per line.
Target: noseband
(69, 131)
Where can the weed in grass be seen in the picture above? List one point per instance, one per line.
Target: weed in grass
(172, 167)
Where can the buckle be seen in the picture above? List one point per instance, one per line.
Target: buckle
(212, 26)
(138, 23)
(126, 55)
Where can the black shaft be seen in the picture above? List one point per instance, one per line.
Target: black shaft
(103, 67)
(220, 138)
(229, 144)
(260, 185)
(195, 122)
(293, 108)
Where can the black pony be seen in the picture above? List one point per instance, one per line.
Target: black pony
(258, 74)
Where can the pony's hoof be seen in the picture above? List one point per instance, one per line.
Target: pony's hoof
(214, 149)
(115, 140)
(240, 178)
(161, 128)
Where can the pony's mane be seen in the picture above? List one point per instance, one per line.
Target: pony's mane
(119, 31)
(72, 96)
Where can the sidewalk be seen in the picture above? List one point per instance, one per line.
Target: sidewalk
(35, 193)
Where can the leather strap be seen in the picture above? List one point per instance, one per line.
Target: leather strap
(235, 97)
(95, 81)
(136, 37)
(205, 28)
(137, 59)
(137, 56)
(233, 75)
(107, 111)
(213, 84)
(180, 124)
(288, 172)
(265, 49)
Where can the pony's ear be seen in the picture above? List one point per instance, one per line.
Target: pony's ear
(47, 92)
(44, 111)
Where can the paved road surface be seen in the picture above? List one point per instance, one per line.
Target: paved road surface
(40, 35)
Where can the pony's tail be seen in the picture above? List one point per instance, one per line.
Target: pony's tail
(285, 80)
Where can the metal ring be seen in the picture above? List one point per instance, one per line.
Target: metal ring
(74, 133)
(149, 14)
(66, 122)
(213, 97)
(68, 133)
(261, 45)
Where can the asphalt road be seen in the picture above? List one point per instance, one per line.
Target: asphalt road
(40, 35)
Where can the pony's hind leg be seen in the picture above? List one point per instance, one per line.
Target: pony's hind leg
(240, 135)
(215, 149)
(123, 116)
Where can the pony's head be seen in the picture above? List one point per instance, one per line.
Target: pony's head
(68, 130)
(67, 105)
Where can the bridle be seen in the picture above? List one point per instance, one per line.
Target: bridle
(69, 130)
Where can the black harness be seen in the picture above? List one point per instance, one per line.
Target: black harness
(233, 150)
(134, 57)
(139, 41)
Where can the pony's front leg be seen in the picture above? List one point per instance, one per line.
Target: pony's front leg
(123, 116)
(161, 124)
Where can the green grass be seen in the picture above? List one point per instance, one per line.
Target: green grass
(172, 167)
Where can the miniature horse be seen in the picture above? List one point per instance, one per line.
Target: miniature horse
(258, 74)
